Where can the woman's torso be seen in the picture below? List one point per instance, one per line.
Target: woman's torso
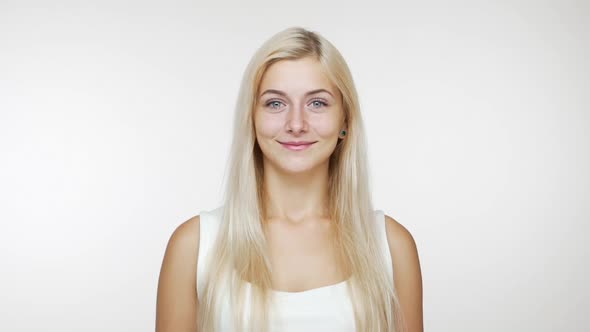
(322, 302)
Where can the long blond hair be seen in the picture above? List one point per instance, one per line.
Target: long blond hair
(240, 256)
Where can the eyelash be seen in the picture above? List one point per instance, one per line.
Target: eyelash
(269, 103)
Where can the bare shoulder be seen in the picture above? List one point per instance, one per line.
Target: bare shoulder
(403, 249)
(183, 245)
(177, 299)
(407, 274)
(399, 237)
(186, 235)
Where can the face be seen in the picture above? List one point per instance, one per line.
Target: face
(298, 115)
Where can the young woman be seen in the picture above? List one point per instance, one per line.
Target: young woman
(297, 245)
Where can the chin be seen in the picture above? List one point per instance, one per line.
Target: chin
(297, 166)
(298, 170)
(288, 162)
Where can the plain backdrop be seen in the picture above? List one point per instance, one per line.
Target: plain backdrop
(115, 127)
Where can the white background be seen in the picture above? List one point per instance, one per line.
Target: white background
(116, 120)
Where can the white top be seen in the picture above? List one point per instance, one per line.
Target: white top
(326, 309)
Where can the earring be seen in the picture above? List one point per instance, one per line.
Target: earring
(343, 133)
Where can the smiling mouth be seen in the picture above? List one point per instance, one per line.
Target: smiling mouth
(297, 146)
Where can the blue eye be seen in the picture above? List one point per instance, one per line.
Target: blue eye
(274, 104)
(318, 103)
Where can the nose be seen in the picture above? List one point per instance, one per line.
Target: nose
(296, 119)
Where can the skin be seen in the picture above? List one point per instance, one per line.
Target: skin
(298, 228)
(295, 184)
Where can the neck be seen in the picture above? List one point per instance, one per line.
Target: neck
(296, 197)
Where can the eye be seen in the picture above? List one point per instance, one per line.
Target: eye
(274, 104)
(317, 103)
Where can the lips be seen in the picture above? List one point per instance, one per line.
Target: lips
(297, 142)
(297, 146)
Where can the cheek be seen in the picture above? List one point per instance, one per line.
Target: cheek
(267, 126)
(326, 128)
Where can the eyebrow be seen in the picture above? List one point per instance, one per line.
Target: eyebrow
(279, 92)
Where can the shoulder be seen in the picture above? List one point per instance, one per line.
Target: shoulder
(404, 255)
(400, 239)
(407, 273)
(403, 249)
(186, 235)
(184, 241)
(182, 251)
(177, 297)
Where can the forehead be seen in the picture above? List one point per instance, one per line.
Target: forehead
(296, 77)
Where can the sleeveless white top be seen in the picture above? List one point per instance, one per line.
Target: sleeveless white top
(326, 309)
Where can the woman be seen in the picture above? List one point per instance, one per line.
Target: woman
(296, 245)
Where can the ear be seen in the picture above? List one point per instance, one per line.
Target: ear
(343, 133)
(343, 130)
